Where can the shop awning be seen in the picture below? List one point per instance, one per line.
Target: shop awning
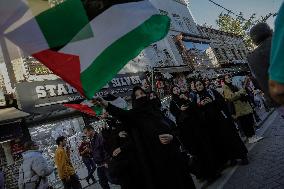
(172, 69)
(11, 114)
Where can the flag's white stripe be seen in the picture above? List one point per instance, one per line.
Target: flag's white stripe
(29, 36)
(10, 12)
(108, 27)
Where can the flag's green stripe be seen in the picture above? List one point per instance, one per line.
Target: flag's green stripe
(113, 58)
(61, 23)
(97, 109)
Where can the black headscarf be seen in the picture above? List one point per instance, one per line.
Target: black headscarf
(140, 102)
(204, 93)
(175, 96)
(156, 101)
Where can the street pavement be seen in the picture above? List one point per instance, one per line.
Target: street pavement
(266, 168)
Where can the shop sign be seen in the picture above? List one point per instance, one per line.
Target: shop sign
(122, 84)
(2, 98)
(46, 96)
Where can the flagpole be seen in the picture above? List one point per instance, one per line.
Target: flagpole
(8, 62)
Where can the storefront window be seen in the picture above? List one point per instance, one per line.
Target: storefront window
(45, 136)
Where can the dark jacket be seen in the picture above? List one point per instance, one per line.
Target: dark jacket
(213, 136)
(258, 59)
(119, 166)
(99, 153)
(175, 106)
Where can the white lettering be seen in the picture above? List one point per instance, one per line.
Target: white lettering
(41, 93)
(122, 82)
(133, 80)
(61, 90)
(71, 89)
(115, 82)
(51, 89)
(138, 79)
(127, 79)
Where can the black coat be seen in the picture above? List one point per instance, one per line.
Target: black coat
(209, 133)
(158, 166)
(175, 106)
(119, 166)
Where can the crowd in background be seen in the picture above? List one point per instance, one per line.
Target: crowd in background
(145, 148)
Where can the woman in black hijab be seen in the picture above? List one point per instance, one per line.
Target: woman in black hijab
(220, 140)
(157, 158)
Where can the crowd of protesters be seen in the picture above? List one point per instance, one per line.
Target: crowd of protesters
(146, 148)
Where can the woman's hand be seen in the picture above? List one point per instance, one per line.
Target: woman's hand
(183, 108)
(205, 101)
(116, 152)
(122, 134)
(100, 101)
(183, 97)
(166, 138)
(277, 91)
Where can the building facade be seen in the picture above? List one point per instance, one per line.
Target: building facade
(167, 53)
(228, 48)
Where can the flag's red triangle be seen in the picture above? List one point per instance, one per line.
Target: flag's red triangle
(82, 108)
(66, 66)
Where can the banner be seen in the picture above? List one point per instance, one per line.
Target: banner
(47, 96)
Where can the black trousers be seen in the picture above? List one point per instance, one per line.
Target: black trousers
(246, 124)
(72, 183)
(91, 167)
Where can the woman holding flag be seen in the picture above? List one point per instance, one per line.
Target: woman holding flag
(158, 161)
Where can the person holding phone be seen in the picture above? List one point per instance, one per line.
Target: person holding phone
(179, 103)
(217, 138)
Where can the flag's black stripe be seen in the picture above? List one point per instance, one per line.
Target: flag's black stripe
(96, 7)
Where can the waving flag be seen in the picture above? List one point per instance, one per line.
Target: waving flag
(86, 107)
(92, 53)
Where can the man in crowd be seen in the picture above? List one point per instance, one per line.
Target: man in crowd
(100, 156)
(65, 169)
(86, 154)
(258, 60)
(34, 169)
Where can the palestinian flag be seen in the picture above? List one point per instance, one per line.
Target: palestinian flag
(85, 107)
(88, 108)
(88, 44)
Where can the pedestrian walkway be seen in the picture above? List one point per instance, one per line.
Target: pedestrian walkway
(266, 161)
(266, 168)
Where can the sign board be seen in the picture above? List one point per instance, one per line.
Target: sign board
(2, 98)
(123, 84)
(46, 96)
